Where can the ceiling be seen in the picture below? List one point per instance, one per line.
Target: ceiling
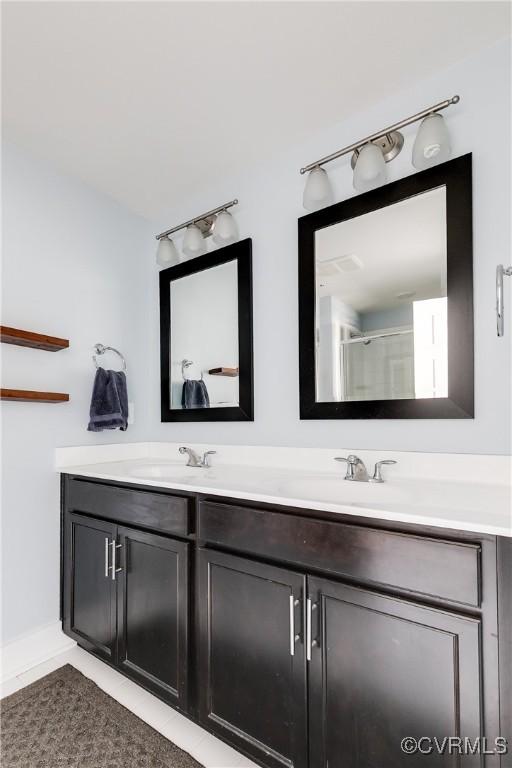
(149, 101)
(400, 251)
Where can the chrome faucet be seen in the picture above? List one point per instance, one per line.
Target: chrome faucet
(194, 460)
(357, 472)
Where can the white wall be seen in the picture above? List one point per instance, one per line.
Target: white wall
(270, 203)
(74, 266)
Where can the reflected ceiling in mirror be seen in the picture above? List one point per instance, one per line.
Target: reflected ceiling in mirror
(381, 303)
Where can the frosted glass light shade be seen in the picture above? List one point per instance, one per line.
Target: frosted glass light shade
(432, 143)
(193, 242)
(370, 168)
(226, 231)
(167, 255)
(318, 190)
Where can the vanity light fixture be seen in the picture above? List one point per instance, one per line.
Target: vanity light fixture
(193, 243)
(369, 168)
(166, 254)
(370, 155)
(217, 220)
(432, 143)
(318, 190)
(226, 231)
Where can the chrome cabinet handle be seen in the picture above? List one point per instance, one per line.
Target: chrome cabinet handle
(107, 567)
(308, 629)
(115, 547)
(310, 607)
(501, 271)
(113, 566)
(293, 636)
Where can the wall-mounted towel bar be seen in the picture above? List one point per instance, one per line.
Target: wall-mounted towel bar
(501, 271)
(100, 349)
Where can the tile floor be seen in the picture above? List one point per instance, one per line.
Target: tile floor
(205, 748)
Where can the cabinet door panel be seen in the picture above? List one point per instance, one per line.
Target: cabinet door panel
(253, 691)
(384, 669)
(89, 589)
(152, 612)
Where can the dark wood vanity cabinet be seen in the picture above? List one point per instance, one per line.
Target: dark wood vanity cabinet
(252, 661)
(152, 608)
(303, 639)
(131, 608)
(89, 592)
(383, 669)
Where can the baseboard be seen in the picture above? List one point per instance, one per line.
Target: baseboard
(33, 649)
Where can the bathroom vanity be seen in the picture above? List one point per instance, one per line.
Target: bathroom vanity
(299, 636)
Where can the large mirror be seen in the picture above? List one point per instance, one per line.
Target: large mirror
(206, 337)
(386, 301)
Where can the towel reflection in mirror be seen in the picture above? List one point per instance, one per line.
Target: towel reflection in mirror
(195, 394)
(204, 337)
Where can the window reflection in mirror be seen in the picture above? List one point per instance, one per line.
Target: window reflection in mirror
(381, 303)
(204, 339)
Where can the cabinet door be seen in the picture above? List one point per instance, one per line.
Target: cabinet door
(89, 589)
(252, 664)
(152, 612)
(382, 669)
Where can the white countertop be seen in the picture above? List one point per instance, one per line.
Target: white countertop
(458, 504)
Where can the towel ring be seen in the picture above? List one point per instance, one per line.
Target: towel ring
(100, 349)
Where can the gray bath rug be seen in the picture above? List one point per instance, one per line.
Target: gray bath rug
(65, 721)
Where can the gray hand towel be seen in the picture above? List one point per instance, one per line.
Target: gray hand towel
(109, 402)
(195, 394)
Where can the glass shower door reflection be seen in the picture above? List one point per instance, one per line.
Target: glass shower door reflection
(380, 367)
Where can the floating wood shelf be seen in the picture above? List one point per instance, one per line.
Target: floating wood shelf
(223, 372)
(30, 339)
(29, 396)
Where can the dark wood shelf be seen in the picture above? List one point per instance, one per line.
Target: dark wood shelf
(232, 372)
(30, 396)
(30, 339)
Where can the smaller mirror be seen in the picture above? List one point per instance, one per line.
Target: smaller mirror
(206, 337)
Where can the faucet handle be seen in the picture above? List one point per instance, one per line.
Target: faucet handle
(352, 459)
(206, 461)
(350, 465)
(377, 476)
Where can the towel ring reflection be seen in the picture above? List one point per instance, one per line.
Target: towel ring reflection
(186, 364)
(100, 349)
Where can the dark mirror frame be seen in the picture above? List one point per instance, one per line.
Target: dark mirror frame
(241, 253)
(456, 176)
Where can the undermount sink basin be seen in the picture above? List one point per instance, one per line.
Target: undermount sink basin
(336, 490)
(167, 472)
